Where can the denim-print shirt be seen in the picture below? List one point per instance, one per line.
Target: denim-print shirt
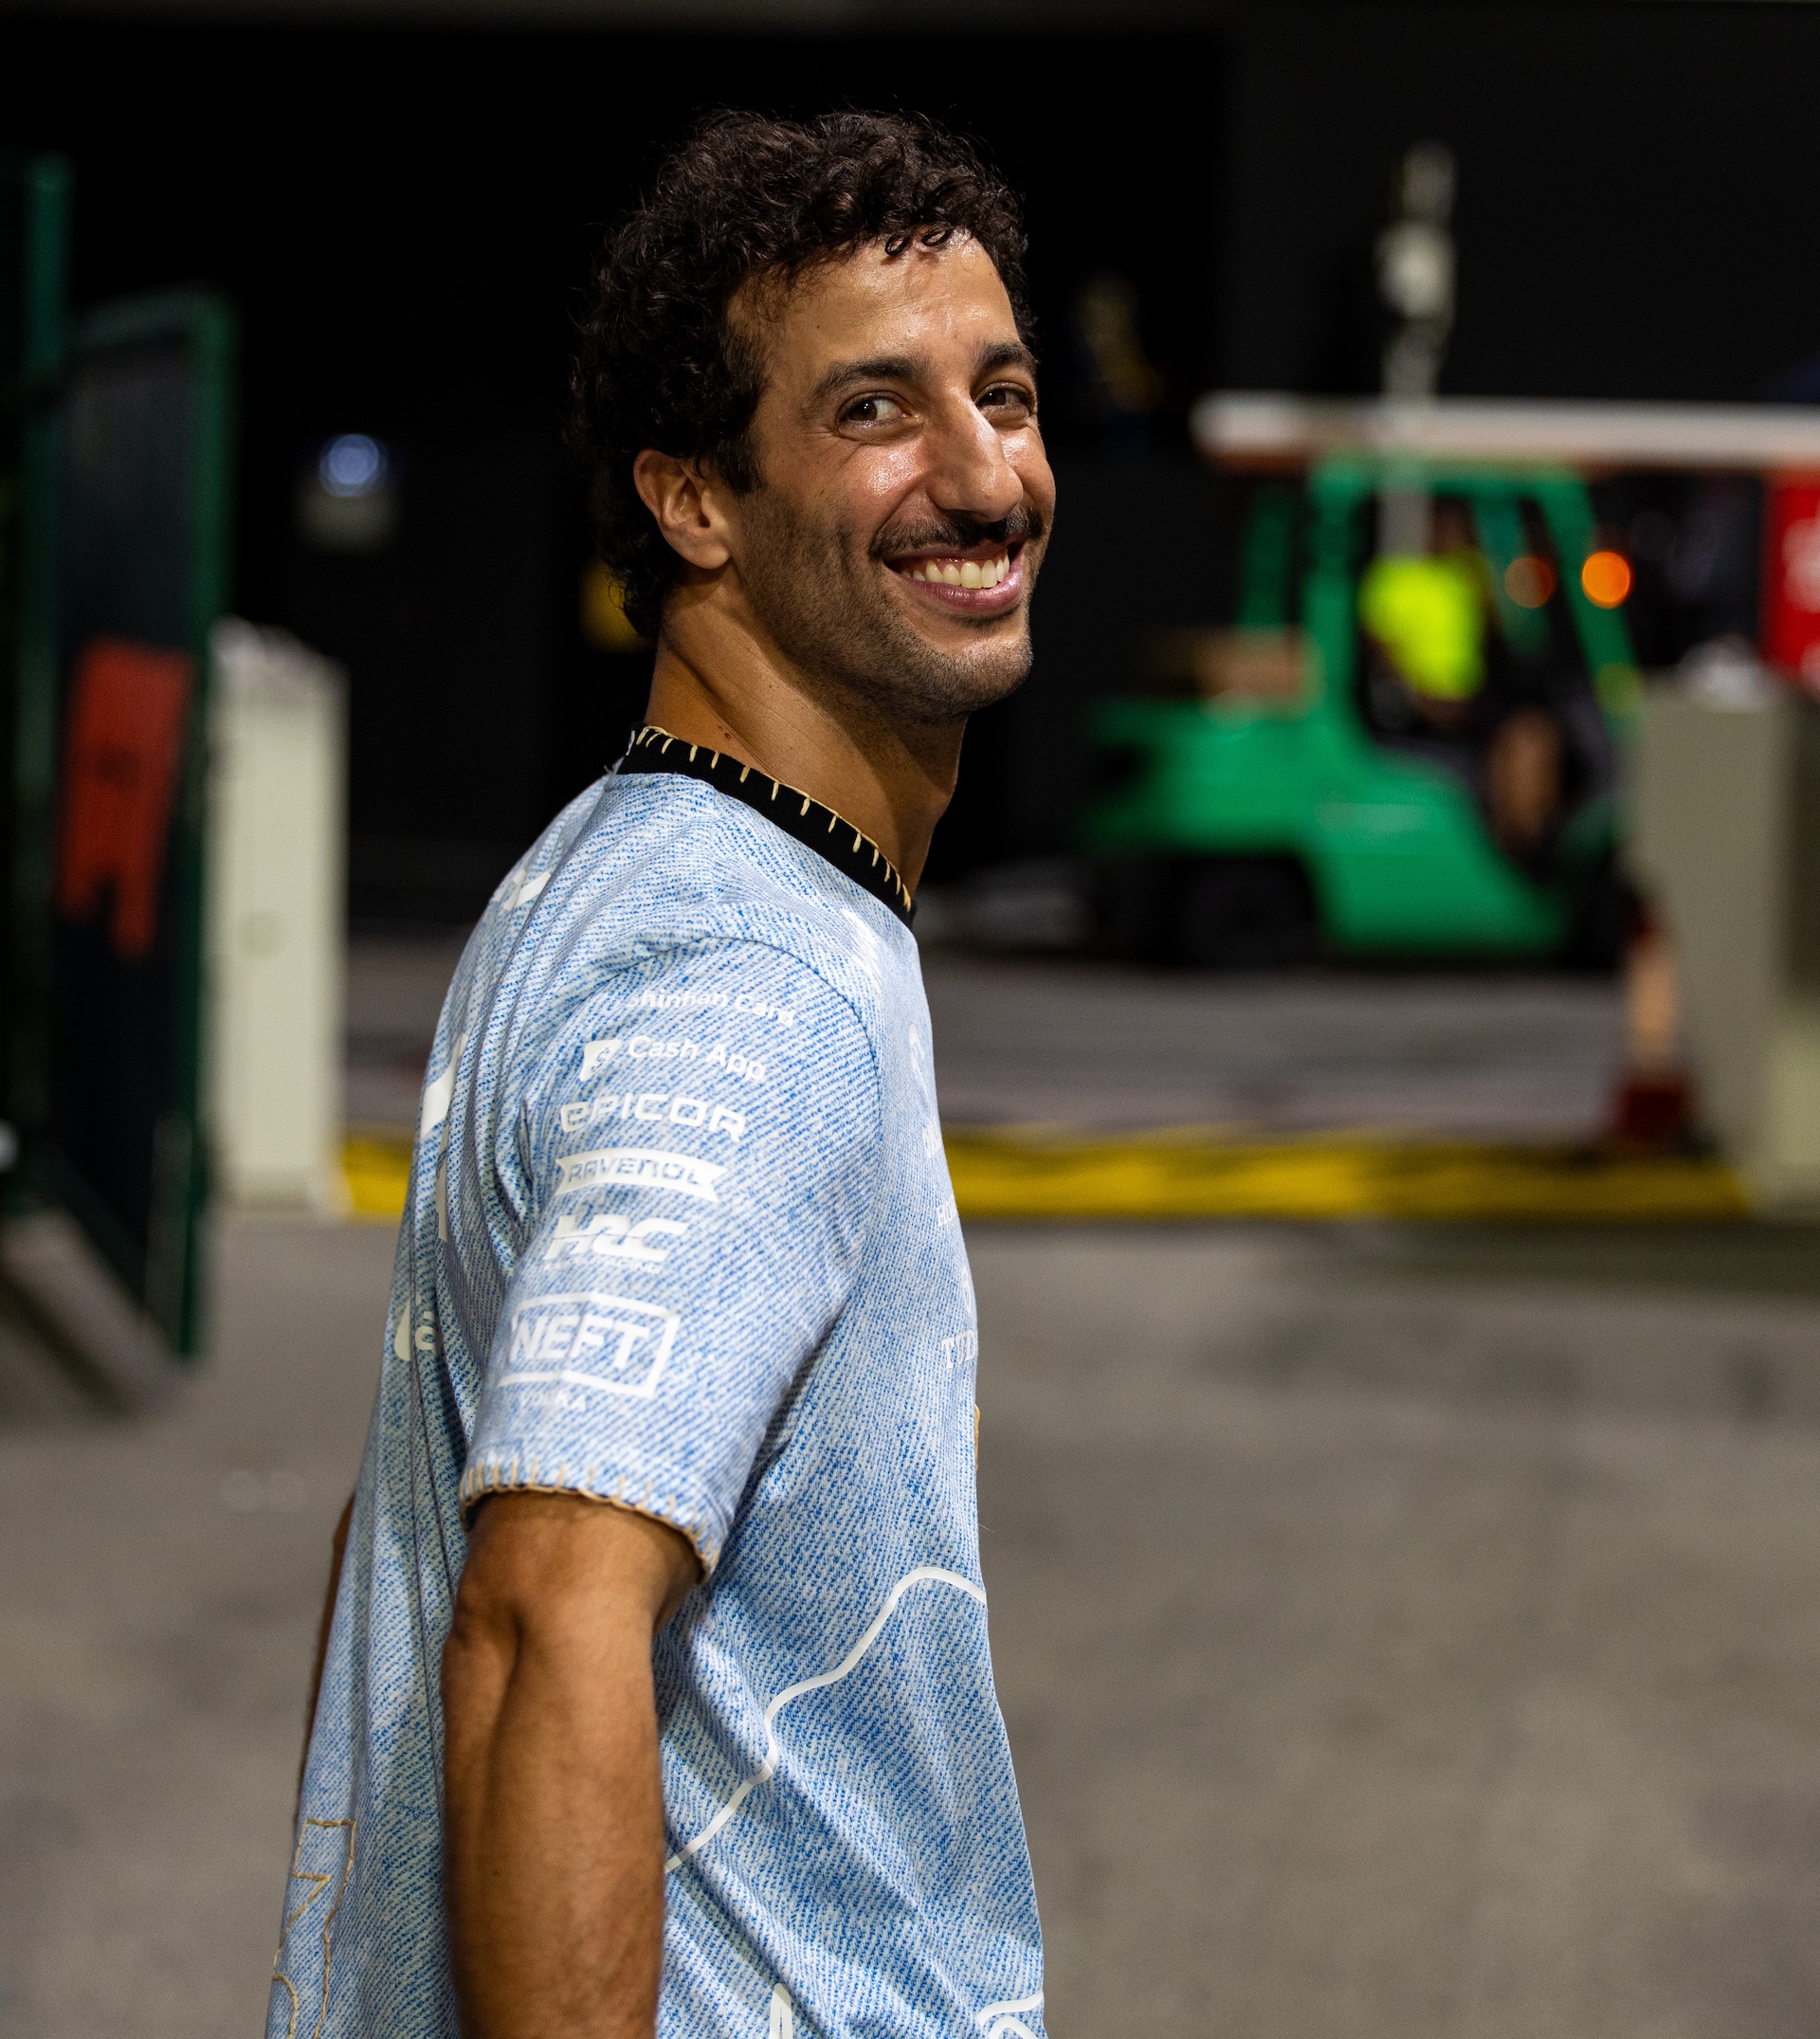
(680, 1236)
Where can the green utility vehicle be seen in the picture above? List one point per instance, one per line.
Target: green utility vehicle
(1253, 827)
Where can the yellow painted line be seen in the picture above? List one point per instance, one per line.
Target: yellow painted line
(1328, 1178)
(378, 1174)
(1183, 1174)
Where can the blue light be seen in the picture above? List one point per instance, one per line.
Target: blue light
(352, 465)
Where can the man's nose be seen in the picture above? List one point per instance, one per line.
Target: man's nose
(970, 467)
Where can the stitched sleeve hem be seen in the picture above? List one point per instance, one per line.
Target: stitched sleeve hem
(650, 1495)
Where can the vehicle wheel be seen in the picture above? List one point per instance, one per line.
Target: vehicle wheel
(1245, 913)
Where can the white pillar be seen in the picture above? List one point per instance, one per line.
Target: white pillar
(1726, 838)
(277, 921)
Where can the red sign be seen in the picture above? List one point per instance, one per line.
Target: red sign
(121, 751)
(1791, 578)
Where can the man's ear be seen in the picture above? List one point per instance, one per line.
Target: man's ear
(688, 506)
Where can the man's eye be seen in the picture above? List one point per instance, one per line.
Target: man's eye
(1010, 398)
(874, 410)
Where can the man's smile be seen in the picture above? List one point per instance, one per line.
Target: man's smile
(985, 580)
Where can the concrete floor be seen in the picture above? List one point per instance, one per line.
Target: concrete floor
(157, 1610)
(1409, 1636)
(1404, 1633)
(1517, 1056)
(1401, 1633)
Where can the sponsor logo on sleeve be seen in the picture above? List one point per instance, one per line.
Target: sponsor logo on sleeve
(700, 1055)
(639, 1168)
(596, 1055)
(674, 1108)
(607, 1343)
(613, 1235)
(654, 1001)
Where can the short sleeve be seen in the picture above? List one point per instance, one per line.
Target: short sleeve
(700, 1142)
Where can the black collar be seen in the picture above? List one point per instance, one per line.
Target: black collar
(815, 827)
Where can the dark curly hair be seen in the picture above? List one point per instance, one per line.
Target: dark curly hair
(661, 364)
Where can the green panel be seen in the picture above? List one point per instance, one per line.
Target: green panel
(1394, 848)
(1212, 782)
(1410, 867)
(34, 227)
(144, 556)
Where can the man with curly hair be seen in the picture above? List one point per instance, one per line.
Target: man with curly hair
(655, 1693)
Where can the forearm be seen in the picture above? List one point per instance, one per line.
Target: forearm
(554, 1809)
(555, 1846)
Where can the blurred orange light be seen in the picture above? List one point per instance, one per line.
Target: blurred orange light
(1606, 577)
(1529, 581)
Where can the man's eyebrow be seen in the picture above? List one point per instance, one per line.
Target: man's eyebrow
(1007, 354)
(906, 368)
(876, 368)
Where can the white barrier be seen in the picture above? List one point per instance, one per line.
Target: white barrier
(1726, 838)
(277, 921)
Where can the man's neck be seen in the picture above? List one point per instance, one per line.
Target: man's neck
(720, 687)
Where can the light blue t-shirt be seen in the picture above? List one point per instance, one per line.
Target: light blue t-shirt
(681, 1235)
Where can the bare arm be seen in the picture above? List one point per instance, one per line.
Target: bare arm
(338, 1550)
(554, 1796)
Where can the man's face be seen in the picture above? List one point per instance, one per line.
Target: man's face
(903, 497)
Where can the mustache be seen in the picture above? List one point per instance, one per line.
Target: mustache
(953, 532)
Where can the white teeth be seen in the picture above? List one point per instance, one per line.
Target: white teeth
(964, 573)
